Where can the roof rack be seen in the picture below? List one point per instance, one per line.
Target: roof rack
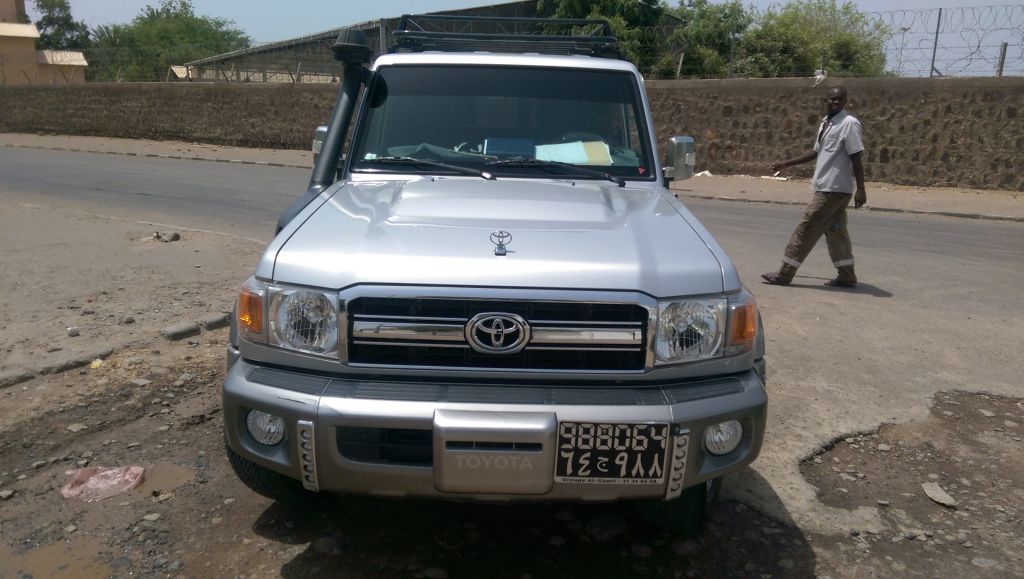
(566, 36)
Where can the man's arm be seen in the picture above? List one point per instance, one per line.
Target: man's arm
(805, 158)
(861, 196)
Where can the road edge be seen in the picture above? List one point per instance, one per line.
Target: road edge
(955, 214)
(982, 216)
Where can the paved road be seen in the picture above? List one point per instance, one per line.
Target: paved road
(938, 308)
(236, 198)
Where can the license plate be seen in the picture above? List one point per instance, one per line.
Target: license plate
(625, 454)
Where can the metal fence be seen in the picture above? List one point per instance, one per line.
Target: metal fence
(978, 41)
(956, 42)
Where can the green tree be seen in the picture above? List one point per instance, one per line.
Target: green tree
(633, 12)
(807, 35)
(634, 22)
(111, 53)
(705, 42)
(58, 30)
(158, 38)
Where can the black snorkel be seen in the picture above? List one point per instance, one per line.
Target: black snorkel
(353, 52)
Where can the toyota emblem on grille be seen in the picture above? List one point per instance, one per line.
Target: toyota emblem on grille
(496, 333)
(501, 239)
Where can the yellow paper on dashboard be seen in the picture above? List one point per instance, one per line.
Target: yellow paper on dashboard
(576, 152)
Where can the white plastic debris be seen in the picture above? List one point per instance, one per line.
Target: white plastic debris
(703, 174)
(935, 493)
(97, 483)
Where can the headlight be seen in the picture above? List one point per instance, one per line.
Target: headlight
(699, 329)
(690, 330)
(304, 320)
(297, 319)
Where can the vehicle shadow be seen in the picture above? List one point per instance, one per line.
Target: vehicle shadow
(818, 283)
(361, 536)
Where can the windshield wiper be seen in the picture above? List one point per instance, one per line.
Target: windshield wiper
(528, 162)
(428, 163)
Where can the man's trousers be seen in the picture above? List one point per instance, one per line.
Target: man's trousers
(826, 214)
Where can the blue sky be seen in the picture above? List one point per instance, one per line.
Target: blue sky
(270, 20)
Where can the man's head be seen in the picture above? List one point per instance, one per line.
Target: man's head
(835, 100)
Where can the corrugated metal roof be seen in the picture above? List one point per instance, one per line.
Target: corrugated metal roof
(61, 57)
(14, 30)
(283, 44)
(328, 35)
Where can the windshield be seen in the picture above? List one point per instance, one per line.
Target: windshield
(563, 122)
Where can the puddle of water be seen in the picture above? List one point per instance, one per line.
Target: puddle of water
(163, 477)
(78, 559)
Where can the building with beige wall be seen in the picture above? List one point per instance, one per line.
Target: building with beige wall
(13, 11)
(21, 63)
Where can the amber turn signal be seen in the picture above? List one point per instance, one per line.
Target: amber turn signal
(250, 311)
(743, 325)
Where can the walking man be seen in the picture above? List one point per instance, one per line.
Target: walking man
(837, 153)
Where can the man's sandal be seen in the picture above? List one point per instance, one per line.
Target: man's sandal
(772, 278)
(840, 283)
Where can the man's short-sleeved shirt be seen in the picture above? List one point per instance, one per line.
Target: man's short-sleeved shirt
(838, 138)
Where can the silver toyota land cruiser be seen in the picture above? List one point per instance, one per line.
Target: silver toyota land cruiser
(493, 295)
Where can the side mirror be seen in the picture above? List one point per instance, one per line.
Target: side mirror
(318, 141)
(680, 158)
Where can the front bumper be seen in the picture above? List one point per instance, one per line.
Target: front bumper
(477, 441)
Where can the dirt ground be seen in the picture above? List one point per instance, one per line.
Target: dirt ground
(115, 392)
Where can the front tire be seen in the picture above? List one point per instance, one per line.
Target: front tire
(686, 515)
(266, 482)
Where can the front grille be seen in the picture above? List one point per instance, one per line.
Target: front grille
(467, 308)
(401, 446)
(431, 333)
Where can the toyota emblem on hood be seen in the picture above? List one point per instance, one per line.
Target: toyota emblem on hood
(496, 333)
(501, 239)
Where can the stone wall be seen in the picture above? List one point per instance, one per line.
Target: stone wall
(917, 131)
(247, 115)
(956, 132)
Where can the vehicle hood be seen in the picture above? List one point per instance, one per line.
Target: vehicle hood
(564, 234)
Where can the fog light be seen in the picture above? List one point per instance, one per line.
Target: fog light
(723, 438)
(264, 427)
